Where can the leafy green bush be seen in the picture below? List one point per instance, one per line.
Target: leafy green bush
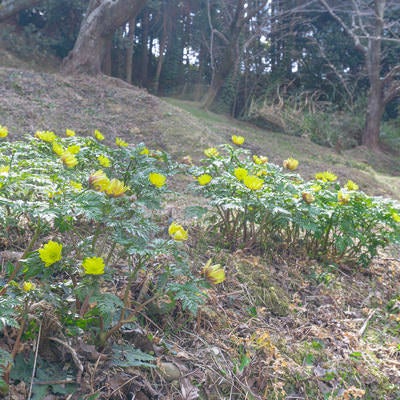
(259, 205)
(86, 219)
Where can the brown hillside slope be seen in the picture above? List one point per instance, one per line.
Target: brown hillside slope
(41, 101)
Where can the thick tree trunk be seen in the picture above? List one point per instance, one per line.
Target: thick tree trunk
(8, 8)
(103, 17)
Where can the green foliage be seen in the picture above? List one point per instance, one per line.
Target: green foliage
(331, 222)
(87, 216)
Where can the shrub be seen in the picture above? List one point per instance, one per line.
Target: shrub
(258, 205)
(86, 217)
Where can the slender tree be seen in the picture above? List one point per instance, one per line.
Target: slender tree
(373, 28)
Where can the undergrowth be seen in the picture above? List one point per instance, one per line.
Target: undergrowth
(88, 250)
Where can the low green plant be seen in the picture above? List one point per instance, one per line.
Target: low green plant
(258, 205)
(87, 219)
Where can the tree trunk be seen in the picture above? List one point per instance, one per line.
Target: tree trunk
(8, 8)
(376, 101)
(375, 109)
(129, 50)
(160, 62)
(144, 62)
(103, 17)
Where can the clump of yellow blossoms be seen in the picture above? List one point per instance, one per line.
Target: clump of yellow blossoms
(343, 197)
(395, 216)
(157, 179)
(291, 163)
(98, 135)
(46, 136)
(177, 232)
(50, 253)
(3, 131)
(99, 180)
(69, 159)
(211, 152)
(215, 274)
(240, 173)
(104, 161)
(252, 182)
(116, 188)
(326, 176)
(74, 149)
(350, 185)
(121, 143)
(69, 132)
(57, 148)
(308, 197)
(238, 140)
(204, 179)
(27, 286)
(145, 152)
(259, 160)
(93, 266)
(76, 185)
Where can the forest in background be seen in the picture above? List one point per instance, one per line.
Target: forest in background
(324, 69)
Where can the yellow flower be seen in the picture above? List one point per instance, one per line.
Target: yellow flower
(51, 195)
(69, 132)
(3, 131)
(46, 136)
(211, 152)
(116, 188)
(343, 197)
(121, 143)
(50, 253)
(395, 216)
(98, 135)
(69, 159)
(99, 180)
(215, 274)
(177, 232)
(316, 188)
(93, 266)
(156, 179)
(4, 170)
(308, 197)
(252, 182)
(204, 179)
(350, 185)
(57, 148)
(291, 163)
(326, 176)
(240, 173)
(27, 286)
(76, 185)
(238, 140)
(74, 149)
(104, 161)
(145, 152)
(260, 159)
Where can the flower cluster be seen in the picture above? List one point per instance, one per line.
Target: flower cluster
(112, 187)
(177, 232)
(50, 253)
